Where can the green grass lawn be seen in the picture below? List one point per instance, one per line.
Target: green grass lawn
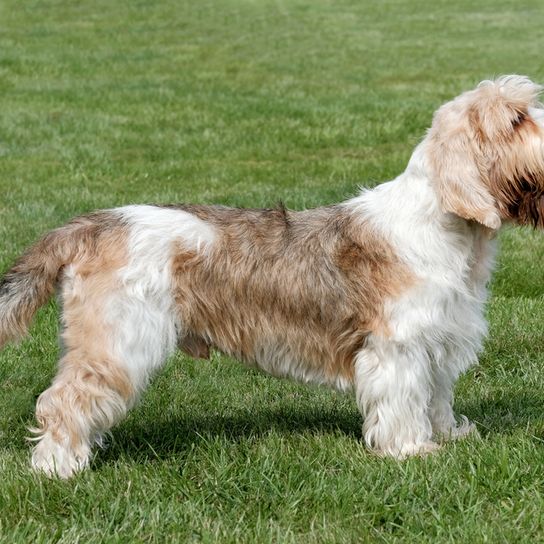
(247, 102)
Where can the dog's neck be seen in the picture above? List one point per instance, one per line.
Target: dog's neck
(438, 245)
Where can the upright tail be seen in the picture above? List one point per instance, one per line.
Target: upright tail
(31, 281)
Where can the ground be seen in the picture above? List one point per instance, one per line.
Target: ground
(246, 102)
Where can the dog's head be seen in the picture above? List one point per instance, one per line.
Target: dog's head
(486, 153)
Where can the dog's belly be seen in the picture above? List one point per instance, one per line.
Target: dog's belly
(304, 355)
(285, 361)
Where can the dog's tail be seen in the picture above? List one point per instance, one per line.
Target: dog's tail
(31, 281)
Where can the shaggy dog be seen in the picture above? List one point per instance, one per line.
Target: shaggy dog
(383, 293)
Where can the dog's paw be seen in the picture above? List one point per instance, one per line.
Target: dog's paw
(410, 449)
(57, 460)
(418, 449)
(462, 429)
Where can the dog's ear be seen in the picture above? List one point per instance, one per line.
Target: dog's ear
(456, 175)
(463, 142)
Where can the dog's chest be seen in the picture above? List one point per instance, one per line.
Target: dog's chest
(445, 310)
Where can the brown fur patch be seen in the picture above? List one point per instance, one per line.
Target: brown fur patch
(454, 157)
(308, 285)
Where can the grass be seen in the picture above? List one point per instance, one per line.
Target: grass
(246, 103)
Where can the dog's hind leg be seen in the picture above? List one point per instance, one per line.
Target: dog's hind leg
(89, 394)
(393, 391)
(114, 339)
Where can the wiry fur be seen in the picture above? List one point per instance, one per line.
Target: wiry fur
(32, 279)
(383, 293)
(295, 293)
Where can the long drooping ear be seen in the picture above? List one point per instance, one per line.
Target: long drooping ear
(456, 173)
(463, 140)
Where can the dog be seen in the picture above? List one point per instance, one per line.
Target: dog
(383, 294)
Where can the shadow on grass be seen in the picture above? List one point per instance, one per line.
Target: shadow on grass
(506, 412)
(144, 438)
(161, 439)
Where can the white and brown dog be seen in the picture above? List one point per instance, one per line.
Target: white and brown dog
(383, 293)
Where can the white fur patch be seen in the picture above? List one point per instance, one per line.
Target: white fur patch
(55, 457)
(143, 308)
(404, 383)
(537, 114)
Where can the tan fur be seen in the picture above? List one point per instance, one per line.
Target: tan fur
(455, 159)
(95, 278)
(32, 279)
(487, 155)
(516, 176)
(91, 390)
(312, 282)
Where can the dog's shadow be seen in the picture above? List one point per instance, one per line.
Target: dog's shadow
(161, 439)
(506, 412)
(145, 440)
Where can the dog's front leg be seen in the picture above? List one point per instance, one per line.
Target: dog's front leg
(393, 387)
(444, 423)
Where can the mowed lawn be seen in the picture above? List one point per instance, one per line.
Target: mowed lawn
(245, 103)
